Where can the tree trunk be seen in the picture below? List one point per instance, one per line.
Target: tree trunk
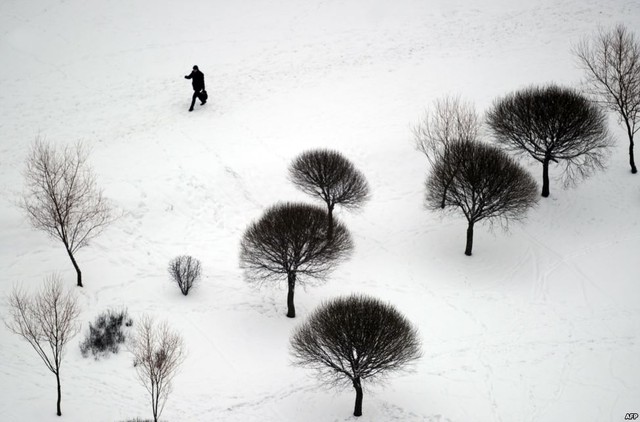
(330, 222)
(75, 265)
(632, 161)
(545, 177)
(357, 411)
(291, 309)
(59, 411)
(154, 400)
(443, 203)
(469, 246)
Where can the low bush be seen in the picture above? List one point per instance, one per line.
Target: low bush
(106, 334)
(185, 271)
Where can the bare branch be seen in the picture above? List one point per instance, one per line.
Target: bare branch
(450, 119)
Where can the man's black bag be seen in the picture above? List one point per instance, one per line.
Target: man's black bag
(203, 96)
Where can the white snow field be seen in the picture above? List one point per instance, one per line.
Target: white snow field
(540, 324)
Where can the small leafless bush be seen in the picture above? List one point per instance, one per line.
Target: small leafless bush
(185, 271)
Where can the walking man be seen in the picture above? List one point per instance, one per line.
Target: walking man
(197, 81)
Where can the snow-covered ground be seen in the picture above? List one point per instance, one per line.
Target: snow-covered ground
(541, 324)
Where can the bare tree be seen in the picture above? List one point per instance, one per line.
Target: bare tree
(450, 119)
(158, 353)
(483, 183)
(185, 271)
(351, 339)
(47, 320)
(611, 61)
(62, 198)
(552, 124)
(291, 239)
(331, 177)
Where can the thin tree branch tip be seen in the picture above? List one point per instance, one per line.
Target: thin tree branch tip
(449, 119)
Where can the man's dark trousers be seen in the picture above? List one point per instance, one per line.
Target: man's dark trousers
(196, 94)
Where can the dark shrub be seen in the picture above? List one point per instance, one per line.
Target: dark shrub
(106, 333)
(185, 271)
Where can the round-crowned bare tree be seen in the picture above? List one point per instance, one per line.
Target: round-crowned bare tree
(482, 182)
(351, 339)
(290, 240)
(552, 124)
(328, 175)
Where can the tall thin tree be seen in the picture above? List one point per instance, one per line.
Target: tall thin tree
(611, 62)
(47, 320)
(62, 198)
(158, 353)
